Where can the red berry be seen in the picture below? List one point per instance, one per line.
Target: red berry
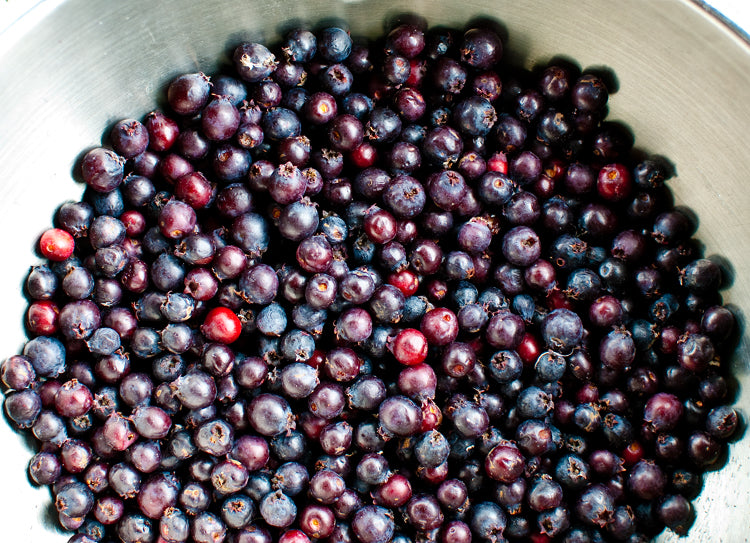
(416, 74)
(134, 221)
(614, 182)
(364, 156)
(194, 189)
(41, 318)
(294, 536)
(529, 349)
(380, 226)
(317, 358)
(440, 326)
(556, 299)
(633, 453)
(555, 169)
(395, 492)
(437, 289)
(409, 347)
(162, 131)
(432, 416)
(433, 475)
(406, 281)
(57, 244)
(221, 325)
(498, 163)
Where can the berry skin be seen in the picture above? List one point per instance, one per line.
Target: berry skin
(222, 326)
(498, 163)
(505, 463)
(614, 182)
(558, 339)
(406, 281)
(56, 244)
(409, 347)
(41, 318)
(293, 536)
(529, 349)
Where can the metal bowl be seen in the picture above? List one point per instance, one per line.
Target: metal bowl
(69, 69)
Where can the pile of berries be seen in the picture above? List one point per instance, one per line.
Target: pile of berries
(390, 291)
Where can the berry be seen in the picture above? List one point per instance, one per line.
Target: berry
(209, 334)
(409, 347)
(56, 244)
(221, 325)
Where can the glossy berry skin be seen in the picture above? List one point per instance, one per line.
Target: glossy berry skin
(44, 468)
(617, 349)
(646, 480)
(41, 283)
(194, 189)
(439, 326)
(676, 513)
(505, 463)
(395, 491)
(487, 520)
(156, 495)
(41, 318)
(614, 182)
(317, 521)
(56, 244)
(23, 407)
(695, 351)
(505, 330)
(254, 61)
(380, 226)
(589, 93)
(74, 500)
(406, 40)
(212, 329)
(162, 132)
(188, 93)
(481, 48)
(222, 326)
(176, 219)
(409, 347)
(74, 399)
(366, 393)
(722, 422)
(47, 356)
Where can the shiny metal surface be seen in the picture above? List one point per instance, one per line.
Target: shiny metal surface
(71, 68)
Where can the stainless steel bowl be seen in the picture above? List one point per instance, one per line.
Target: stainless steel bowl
(70, 68)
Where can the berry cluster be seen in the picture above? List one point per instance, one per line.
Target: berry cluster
(395, 291)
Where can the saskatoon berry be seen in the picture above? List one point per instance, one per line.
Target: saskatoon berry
(345, 287)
